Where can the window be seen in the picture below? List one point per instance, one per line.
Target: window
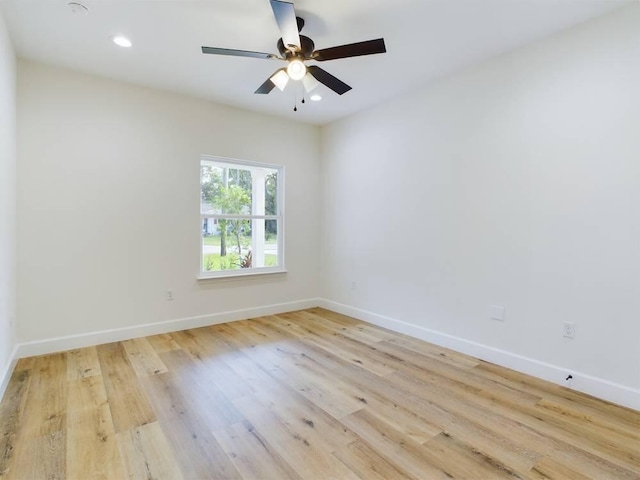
(241, 217)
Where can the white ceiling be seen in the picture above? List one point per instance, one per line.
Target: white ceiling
(425, 39)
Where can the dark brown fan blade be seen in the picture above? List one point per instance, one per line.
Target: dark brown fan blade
(266, 87)
(237, 53)
(352, 50)
(329, 80)
(285, 15)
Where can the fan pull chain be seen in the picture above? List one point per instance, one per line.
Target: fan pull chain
(295, 105)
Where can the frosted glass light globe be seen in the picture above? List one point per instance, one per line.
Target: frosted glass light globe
(296, 69)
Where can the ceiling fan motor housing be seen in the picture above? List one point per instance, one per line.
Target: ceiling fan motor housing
(307, 47)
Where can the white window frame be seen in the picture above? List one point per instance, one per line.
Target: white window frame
(279, 217)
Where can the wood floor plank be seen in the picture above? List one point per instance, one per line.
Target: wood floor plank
(253, 455)
(513, 424)
(47, 399)
(372, 334)
(402, 452)
(143, 358)
(129, 405)
(462, 460)
(348, 328)
(209, 354)
(627, 415)
(200, 343)
(41, 457)
(549, 469)
(402, 419)
(211, 404)
(330, 394)
(412, 361)
(309, 458)
(364, 386)
(12, 417)
(83, 362)
(329, 340)
(609, 445)
(92, 450)
(588, 416)
(324, 315)
(617, 447)
(25, 364)
(147, 454)
(183, 422)
(163, 343)
(365, 462)
(286, 402)
(408, 413)
(301, 395)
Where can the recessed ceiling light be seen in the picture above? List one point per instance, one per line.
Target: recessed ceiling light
(78, 8)
(121, 41)
(315, 97)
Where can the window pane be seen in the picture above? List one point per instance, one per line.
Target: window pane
(226, 244)
(225, 190)
(265, 243)
(210, 183)
(271, 243)
(271, 193)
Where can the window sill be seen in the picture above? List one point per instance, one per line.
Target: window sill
(232, 274)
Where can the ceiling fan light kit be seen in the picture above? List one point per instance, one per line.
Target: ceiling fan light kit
(296, 69)
(280, 79)
(295, 49)
(309, 82)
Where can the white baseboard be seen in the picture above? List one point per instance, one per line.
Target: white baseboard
(61, 344)
(8, 371)
(598, 387)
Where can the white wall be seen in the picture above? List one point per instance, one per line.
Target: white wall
(513, 183)
(108, 204)
(7, 202)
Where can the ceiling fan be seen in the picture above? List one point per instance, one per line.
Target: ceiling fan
(295, 49)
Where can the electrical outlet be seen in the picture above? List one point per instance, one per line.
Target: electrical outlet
(169, 294)
(569, 329)
(496, 312)
(354, 285)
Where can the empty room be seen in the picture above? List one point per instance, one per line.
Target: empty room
(268, 239)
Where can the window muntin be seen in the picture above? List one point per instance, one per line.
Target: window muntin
(241, 217)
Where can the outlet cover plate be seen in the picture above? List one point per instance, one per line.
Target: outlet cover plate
(496, 312)
(569, 329)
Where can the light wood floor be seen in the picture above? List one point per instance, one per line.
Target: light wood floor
(309, 394)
